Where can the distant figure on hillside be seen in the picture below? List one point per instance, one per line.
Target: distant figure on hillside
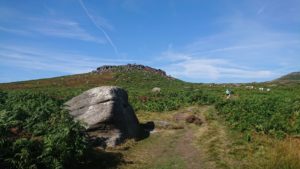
(228, 93)
(156, 90)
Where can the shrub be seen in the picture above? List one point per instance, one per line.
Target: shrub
(267, 114)
(37, 133)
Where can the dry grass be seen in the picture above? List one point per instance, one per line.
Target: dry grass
(225, 148)
(283, 154)
(213, 140)
(167, 148)
(154, 152)
(216, 146)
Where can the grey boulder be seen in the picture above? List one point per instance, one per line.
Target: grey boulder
(106, 115)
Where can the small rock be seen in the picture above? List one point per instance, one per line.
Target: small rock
(193, 119)
(162, 124)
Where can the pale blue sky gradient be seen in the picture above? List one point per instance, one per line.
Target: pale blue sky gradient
(193, 40)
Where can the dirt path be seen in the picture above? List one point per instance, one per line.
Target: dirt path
(188, 152)
(166, 148)
(209, 146)
(194, 147)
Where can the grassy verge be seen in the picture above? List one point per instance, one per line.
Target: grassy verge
(227, 148)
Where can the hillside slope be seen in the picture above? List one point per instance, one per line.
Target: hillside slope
(138, 80)
(104, 75)
(291, 77)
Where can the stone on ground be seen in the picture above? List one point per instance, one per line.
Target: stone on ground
(106, 114)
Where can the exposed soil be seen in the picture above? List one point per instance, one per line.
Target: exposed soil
(188, 152)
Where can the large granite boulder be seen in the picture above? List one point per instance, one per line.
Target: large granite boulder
(106, 114)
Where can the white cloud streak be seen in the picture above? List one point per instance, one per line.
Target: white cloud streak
(270, 44)
(244, 51)
(37, 59)
(64, 29)
(99, 26)
(213, 70)
(60, 28)
(14, 31)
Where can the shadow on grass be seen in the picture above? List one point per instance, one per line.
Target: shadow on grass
(145, 129)
(99, 159)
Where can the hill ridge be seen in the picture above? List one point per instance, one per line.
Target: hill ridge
(104, 75)
(130, 67)
(293, 76)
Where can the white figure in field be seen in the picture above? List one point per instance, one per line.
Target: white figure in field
(228, 93)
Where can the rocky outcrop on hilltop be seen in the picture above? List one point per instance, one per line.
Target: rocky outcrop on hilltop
(130, 67)
(106, 114)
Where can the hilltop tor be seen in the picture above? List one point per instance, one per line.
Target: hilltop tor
(130, 67)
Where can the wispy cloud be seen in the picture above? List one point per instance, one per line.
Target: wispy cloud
(64, 29)
(173, 56)
(210, 69)
(33, 58)
(60, 28)
(100, 26)
(257, 46)
(14, 31)
(18, 22)
(243, 51)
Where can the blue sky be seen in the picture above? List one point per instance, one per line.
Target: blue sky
(194, 40)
